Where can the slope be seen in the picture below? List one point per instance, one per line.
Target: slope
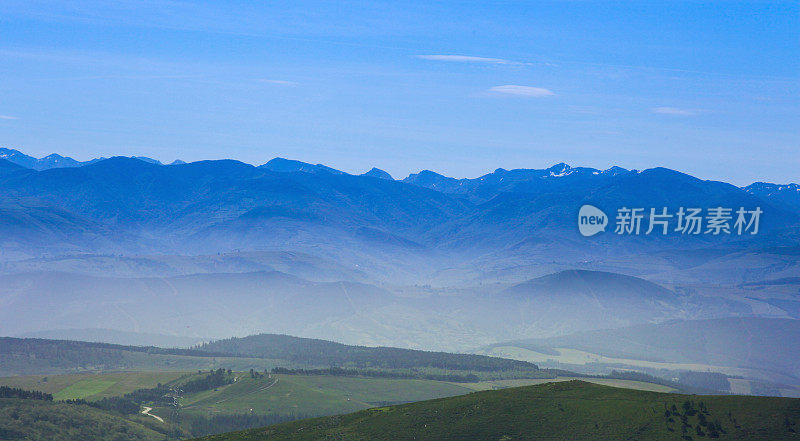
(572, 410)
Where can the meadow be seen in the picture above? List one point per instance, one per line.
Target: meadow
(569, 410)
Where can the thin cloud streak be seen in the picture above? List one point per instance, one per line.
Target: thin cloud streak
(8, 117)
(278, 82)
(467, 59)
(523, 91)
(674, 111)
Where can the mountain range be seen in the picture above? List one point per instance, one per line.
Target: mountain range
(135, 206)
(214, 249)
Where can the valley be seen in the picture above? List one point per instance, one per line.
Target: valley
(116, 294)
(567, 410)
(101, 384)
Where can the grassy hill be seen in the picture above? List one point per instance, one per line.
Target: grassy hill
(265, 351)
(754, 347)
(31, 356)
(316, 352)
(91, 386)
(33, 420)
(573, 410)
(250, 400)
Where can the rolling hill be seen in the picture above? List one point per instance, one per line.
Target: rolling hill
(326, 353)
(765, 347)
(572, 300)
(219, 248)
(40, 356)
(559, 411)
(23, 420)
(200, 304)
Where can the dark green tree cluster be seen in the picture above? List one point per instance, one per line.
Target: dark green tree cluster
(70, 354)
(714, 381)
(341, 372)
(215, 378)
(201, 425)
(23, 420)
(120, 405)
(14, 392)
(688, 411)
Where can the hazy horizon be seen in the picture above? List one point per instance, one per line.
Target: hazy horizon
(411, 172)
(709, 89)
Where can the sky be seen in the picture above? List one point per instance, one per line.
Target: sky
(462, 88)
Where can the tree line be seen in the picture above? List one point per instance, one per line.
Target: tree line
(342, 372)
(314, 352)
(15, 392)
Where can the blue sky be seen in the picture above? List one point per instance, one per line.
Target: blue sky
(709, 88)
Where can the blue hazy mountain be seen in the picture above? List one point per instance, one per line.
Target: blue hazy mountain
(220, 248)
(46, 163)
(502, 181)
(291, 165)
(788, 195)
(214, 304)
(7, 167)
(378, 173)
(218, 206)
(57, 161)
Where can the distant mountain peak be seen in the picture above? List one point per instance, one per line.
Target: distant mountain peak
(54, 160)
(378, 173)
(435, 181)
(758, 187)
(614, 170)
(283, 165)
(560, 169)
(17, 157)
(786, 194)
(429, 173)
(146, 159)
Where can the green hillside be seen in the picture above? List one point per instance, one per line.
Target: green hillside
(252, 399)
(33, 356)
(34, 420)
(315, 352)
(573, 410)
(737, 346)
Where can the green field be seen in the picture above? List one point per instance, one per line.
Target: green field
(83, 389)
(315, 394)
(328, 395)
(91, 386)
(570, 410)
(279, 397)
(280, 394)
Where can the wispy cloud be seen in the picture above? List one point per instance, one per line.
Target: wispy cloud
(524, 91)
(674, 111)
(8, 117)
(278, 82)
(467, 59)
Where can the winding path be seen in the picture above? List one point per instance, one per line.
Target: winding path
(146, 411)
